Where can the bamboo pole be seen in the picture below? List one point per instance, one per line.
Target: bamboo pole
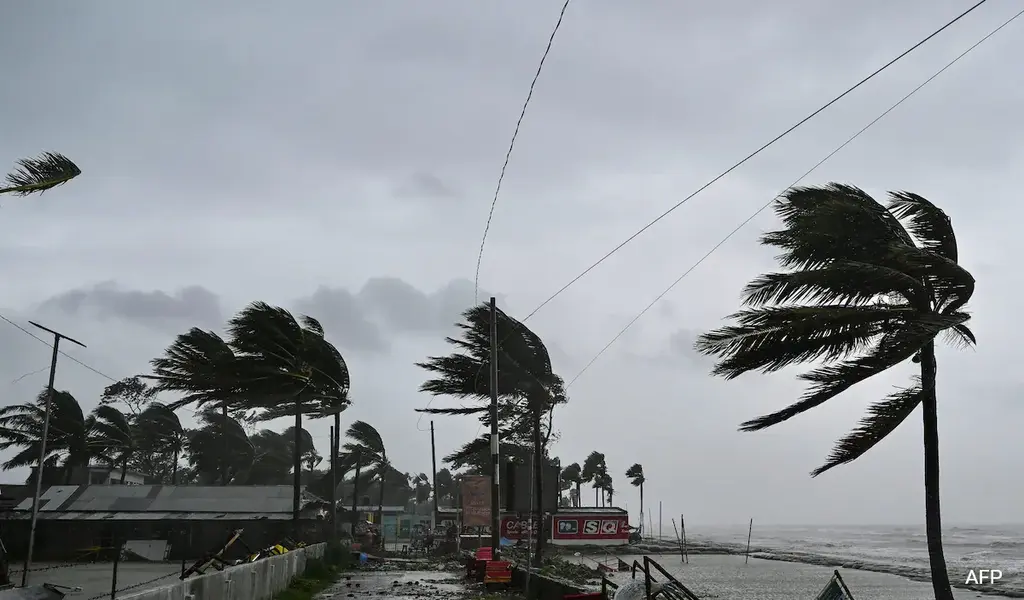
(679, 540)
(750, 529)
(682, 525)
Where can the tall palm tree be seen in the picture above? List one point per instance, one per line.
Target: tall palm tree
(203, 368)
(36, 175)
(421, 488)
(114, 436)
(528, 388)
(592, 467)
(867, 287)
(445, 487)
(68, 441)
(289, 368)
(635, 474)
(573, 475)
(365, 443)
(161, 433)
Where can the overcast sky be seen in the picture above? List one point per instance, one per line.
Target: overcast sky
(340, 159)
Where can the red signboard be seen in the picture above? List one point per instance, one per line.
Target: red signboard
(591, 527)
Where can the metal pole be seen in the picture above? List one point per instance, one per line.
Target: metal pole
(433, 479)
(659, 519)
(750, 530)
(117, 559)
(57, 337)
(495, 485)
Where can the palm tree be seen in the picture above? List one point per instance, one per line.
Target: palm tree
(219, 450)
(635, 474)
(591, 469)
(573, 475)
(867, 287)
(287, 367)
(114, 437)
(161, 433)
(603, 482)
(364, 443)
(421, 488)
(528, 388)
(36, 175)
(202, 367)
(68, 440)
(445, 487)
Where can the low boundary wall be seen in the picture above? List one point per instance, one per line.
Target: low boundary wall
(259, 580)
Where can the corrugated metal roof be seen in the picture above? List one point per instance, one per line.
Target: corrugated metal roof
(168, 499)
(152, 516)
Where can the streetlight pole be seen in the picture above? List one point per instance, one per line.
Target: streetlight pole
(57, 337)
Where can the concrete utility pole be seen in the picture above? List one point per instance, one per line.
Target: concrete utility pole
(57, 337)
(433, 479)
(495, 465)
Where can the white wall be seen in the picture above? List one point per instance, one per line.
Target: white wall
(251, 581)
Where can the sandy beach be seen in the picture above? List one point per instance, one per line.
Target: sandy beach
(728, 578)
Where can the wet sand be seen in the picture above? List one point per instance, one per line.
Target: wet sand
(728, 578)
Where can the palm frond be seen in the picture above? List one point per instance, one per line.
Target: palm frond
(842, 282)
(883, 418)
(926, 222)
(771, 338)
(829, 381)
(36, 175)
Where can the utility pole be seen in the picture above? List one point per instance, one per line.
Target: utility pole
(57, 337)
(433, 479)
(334, 486)
(495, 466)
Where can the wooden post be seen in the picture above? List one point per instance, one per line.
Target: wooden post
(682, 525)
(746, 555)
(659, 519)
(117, 560)
(679, 540)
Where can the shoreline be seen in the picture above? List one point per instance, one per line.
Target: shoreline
(712, 548)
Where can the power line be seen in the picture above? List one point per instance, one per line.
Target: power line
(61, 352)
(752, 155)
(508, 154)
(769, 203)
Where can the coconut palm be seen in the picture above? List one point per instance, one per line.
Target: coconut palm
(867, 287)
(68, 439)
(203, 368)
(445, 487)
(603, 482)
(36, 175)
(288, 369)
(573, 475)
(528, 389)
(219, 450)
(114, 437)
(592, 467)
(161, 433)
(365, 444)
(635, 474)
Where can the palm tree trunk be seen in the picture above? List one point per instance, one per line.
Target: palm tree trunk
(595, 496)
(641, 508)
(355, 495)
(124, 468)
(335, 443)
(933, 519)
(297, 466)
(226, 448)
(538, 487)
(380, 504)
(174, 467)
(579, 499)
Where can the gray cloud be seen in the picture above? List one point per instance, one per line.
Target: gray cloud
(189, 306)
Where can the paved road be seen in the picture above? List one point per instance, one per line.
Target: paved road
(95, 578)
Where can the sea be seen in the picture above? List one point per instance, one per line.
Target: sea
(887, 549)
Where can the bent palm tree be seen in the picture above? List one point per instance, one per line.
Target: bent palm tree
(219, 450)
(288, 369)
(592, 468)
(114, 437)
(637, 479)
(68, 440)
(36, 175)
(573, 475)
(367, 446)
(868, 287)
(162, 433)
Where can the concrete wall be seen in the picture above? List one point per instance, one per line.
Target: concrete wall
(252, 581)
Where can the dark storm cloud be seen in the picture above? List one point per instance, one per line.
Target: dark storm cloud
(189, 306)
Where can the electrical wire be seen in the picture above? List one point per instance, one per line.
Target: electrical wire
(61, 352)
(769, 203)
(752, 155)
(508, 154)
